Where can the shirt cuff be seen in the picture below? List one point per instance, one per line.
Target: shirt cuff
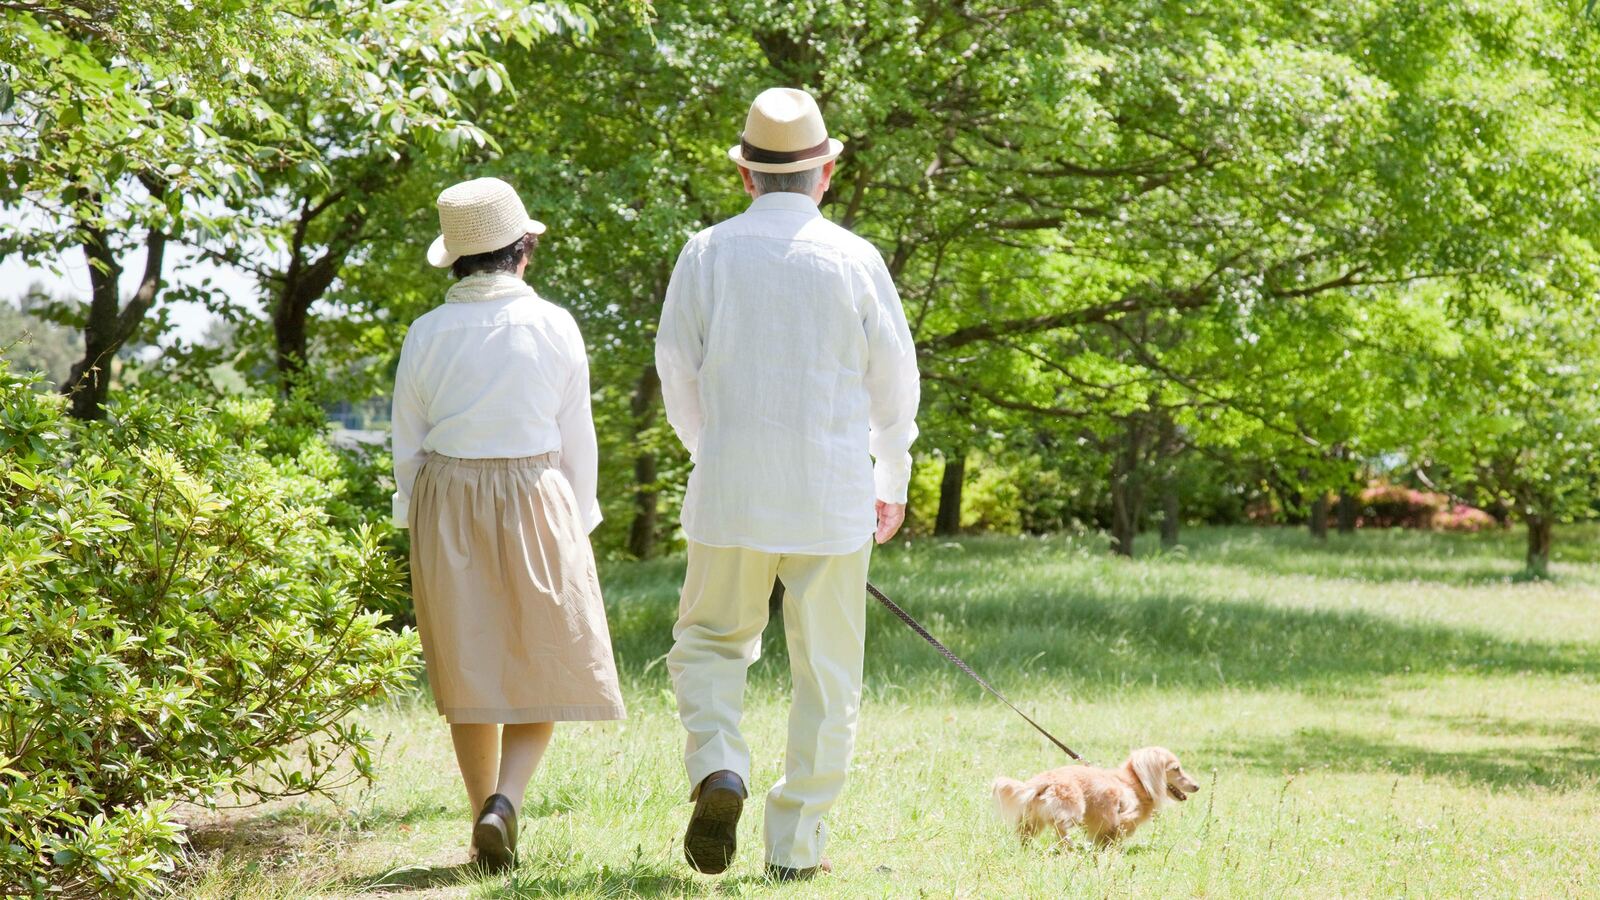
(399, 509)
(591, 517)
(891, 477)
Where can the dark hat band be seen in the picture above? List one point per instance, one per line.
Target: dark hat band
(755, 154)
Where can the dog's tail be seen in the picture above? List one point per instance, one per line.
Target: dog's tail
(1011, 799)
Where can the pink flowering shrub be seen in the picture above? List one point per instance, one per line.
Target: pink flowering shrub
(1461, 517)
(1385, 505)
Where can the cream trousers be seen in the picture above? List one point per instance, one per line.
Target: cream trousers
(718, 635)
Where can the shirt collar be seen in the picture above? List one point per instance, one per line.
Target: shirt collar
(786, 201)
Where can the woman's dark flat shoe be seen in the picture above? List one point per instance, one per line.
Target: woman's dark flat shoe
(495, 834)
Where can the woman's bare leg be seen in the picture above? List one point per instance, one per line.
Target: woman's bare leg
(478, 755)
(521, 748)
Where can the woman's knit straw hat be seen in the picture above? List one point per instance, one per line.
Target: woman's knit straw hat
(784, 133)
(479, 216)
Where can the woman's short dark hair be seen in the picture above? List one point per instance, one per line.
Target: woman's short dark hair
(506, 259)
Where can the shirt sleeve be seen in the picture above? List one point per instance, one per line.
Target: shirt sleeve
(680, 350)
(580, 451)
(409, 423)
(894, 385)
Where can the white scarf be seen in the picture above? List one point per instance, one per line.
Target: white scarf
(487, 286)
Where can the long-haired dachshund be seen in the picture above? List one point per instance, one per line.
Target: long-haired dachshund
(1107, 803)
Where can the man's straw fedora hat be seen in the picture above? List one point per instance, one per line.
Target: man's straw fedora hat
(479, 216)
(784, 133)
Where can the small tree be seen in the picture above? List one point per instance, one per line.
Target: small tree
(1514, 417)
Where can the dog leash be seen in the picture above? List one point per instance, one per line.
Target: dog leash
(916, 626)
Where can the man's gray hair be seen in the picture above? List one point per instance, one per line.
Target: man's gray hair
(804, 181)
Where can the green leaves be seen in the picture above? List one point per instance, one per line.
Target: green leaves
(181, 621)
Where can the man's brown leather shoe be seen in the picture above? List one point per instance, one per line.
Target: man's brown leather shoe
(784, 873)
(713, 833)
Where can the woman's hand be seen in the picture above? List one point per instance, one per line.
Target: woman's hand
(890, 517)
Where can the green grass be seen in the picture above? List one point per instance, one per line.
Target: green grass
(1386, 714)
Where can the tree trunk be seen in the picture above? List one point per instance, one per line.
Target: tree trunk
(1171, 510)
(1540, 537)
(289, 319)
(109, 324)
(646, 499)
(290, 312)
(1127, 491)
(90, 379)
(1347, 512)
(1319, 517)
(1124, 511)
(305, 282)
(948, 521)
(306, 278)
(1171, 500)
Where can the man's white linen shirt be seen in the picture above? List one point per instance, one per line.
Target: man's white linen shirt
(495, 372)
(787, 368)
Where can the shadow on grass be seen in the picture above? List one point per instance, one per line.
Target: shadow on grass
(245, 837)
(1092, 638)
(1582, 733)
(416, 878)
(1566, 768)
(539, 878)
(1456, 560)
(1111, 630)
(637, 879)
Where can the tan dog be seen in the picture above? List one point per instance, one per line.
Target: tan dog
(1108, 803)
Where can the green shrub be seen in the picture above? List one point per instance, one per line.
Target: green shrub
(179, 620)
(990, 500)
(1007, 492)
(922, 495)
(360, 481)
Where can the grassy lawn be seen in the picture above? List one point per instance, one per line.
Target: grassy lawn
(1387, 714)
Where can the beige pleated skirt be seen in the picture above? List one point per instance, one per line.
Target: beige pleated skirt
(508, 603)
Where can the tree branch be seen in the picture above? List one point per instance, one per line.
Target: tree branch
(1056, 412)
(1191, 298)
(149, 284)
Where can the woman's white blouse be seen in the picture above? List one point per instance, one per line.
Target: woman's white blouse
(496, 372)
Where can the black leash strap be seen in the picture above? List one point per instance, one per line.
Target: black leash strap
(916, 626)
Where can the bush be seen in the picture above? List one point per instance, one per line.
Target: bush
(1385, 505)
(360, 487)
(178, 620)
(991, 500)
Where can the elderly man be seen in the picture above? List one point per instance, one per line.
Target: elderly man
(787, 369)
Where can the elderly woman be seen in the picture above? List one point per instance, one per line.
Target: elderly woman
(495, 468)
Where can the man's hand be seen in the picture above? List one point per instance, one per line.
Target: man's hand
(890, 517)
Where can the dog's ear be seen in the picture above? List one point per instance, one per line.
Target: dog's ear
(1150, 767)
